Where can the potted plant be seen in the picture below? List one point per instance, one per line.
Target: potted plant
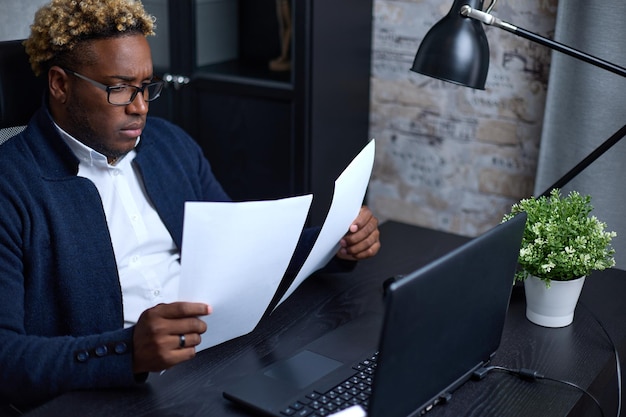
(561, 245)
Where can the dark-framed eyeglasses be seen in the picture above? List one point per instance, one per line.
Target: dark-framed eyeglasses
(124, 94)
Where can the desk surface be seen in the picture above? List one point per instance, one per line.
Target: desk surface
(579, 353)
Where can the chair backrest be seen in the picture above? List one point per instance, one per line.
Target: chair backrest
(20, 90)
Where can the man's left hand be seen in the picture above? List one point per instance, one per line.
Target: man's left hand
(362, 240)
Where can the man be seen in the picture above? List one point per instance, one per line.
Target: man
(92, 196)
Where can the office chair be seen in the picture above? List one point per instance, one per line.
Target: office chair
(20, 91)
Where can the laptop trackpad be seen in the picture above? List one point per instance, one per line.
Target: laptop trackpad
(302, 369)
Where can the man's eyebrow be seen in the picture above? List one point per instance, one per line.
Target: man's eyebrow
(129, 79)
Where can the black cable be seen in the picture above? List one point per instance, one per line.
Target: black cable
(618, 365)
(532, 375)
(14, 408)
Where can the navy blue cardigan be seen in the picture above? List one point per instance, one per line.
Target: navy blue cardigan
(61, 318)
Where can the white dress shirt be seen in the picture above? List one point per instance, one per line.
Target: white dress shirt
(147, 259)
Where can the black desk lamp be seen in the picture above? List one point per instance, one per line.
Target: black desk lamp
(456, 50)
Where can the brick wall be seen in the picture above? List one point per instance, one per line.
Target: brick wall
(449, 157)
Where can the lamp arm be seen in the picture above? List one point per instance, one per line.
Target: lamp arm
(491, 20)
(605, 146)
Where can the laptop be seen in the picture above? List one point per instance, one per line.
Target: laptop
(440, 324)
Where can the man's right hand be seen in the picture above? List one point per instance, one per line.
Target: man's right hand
(157, 335)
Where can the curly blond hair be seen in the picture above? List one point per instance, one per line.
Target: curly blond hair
(62, 26)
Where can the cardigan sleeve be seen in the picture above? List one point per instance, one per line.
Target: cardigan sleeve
(46, 347)
(61, 319)
(36, 369)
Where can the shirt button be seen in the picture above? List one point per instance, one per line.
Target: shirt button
(156, 293)
(82, 356)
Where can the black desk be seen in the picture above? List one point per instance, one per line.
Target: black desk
(579, 353)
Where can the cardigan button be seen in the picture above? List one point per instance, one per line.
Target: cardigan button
(101, 351)
(82, 356)
(120, 348)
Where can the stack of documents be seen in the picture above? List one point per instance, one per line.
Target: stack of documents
(234, 255)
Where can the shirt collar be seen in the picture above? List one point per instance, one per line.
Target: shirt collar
(84, 153)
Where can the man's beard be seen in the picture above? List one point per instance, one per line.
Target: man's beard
(84, 133)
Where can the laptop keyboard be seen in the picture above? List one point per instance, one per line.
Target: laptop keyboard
(355, 390)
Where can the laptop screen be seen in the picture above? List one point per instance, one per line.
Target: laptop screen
(443, 321)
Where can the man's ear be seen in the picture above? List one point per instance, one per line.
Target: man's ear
(57, 84)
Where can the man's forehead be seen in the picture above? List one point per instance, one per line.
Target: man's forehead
(127, 56)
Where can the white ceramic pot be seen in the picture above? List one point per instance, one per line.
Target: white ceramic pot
(553, 306)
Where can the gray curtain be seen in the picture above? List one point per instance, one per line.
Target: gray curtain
(585, 105)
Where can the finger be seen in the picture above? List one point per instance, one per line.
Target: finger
(186, 340)
(360, 251)
(365, 215)
(187, 325)
(178, 355)
(183, 309)
(367, 231)
(151, 326)
(183, 348)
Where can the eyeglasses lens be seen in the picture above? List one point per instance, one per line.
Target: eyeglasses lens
(124, 95)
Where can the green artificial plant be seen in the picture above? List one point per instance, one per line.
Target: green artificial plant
(561, 240)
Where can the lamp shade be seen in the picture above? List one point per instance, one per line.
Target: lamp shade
(455, 49)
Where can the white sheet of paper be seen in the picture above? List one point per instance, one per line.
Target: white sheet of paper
(354, 411)
(350, 188)
(233, 257)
